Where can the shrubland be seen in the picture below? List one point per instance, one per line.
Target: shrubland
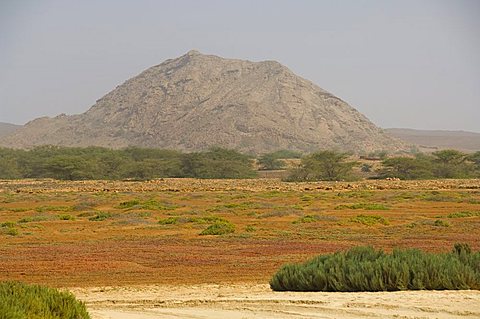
(134, 163)
(23, 301)
(367, 269)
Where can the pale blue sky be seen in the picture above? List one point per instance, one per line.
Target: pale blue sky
(404, 63)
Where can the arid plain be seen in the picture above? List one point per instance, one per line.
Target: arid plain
(135, 249)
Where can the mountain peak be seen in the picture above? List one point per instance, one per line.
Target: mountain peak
(192, 104)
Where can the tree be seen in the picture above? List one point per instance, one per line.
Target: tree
(419, 167)
(451, 164)
(270, 162)
(325, 166)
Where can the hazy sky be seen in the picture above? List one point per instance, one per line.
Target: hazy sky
(404, 63)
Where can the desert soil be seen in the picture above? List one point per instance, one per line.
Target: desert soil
(258, 301)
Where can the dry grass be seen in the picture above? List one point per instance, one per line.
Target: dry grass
(274, 222)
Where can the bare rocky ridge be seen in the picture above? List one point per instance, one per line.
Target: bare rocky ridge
(198, 101)
(431, 140)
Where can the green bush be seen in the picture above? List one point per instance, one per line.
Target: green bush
(22, 301)
(367, 269)
(369, 220)
(220, 227)
(66, 217)
(100, 216)
(365, 206)
(463, 214)
(323, 166)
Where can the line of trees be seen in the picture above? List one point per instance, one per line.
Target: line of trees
(74, 163)
(335, 166)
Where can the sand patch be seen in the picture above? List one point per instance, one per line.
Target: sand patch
(258, 301)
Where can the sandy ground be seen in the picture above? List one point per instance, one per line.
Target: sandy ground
(258, 301)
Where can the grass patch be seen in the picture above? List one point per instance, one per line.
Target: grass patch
(365, 206)
(22, 301)
(307, 219)
(183, 220)
(147, 205)
(42, 209)
(220, 227)
(66, 217)
(369, 220)
(30, 219)
(100, 216)
(367, 269)
(463, 214)
(441, 223)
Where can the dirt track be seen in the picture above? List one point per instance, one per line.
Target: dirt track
(258, 301)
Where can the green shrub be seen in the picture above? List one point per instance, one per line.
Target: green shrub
(22, 301)
(100, 216)
(129, 204)
(169, 220)
(307, 219)
(219, 228)
(463, 214)
(369, 220)
(441, 223)
(8, 228)
(365, 206)
(66, 217)
(367, 269)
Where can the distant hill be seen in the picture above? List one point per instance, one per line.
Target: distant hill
(197, 101)
(437, 140)
(7, 128)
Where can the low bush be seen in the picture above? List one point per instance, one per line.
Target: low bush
(100, 216)
(66, 217)
(463, 214)
(367, 269)
(8, 228)
(365, 206)
(22, 301)
(441, 223)
(307, 219)
(222, 227)
(369, 220)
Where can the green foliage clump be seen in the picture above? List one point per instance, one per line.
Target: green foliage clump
(369, 220)
(100, 216)
(66, 217)
(149, 205)
(307, 219)
(367, 269)
(221, 227)
(8, 228)
(270, 162)
(323, 166)
(365, 206)
(441, 223)
(22, 301)
(129, 204)
(463, 214)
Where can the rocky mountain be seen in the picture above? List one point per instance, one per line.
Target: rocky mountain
(7, 128)
(431, 140)
(198, 101)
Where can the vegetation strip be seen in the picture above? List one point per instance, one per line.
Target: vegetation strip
(367, 269)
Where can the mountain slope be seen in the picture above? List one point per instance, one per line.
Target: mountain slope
(431, 140)
(7, 128)
(197, 101)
